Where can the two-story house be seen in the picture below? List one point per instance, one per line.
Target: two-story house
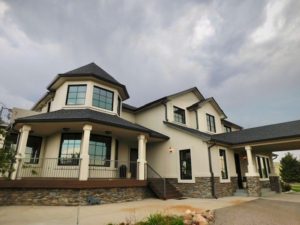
(82, 136)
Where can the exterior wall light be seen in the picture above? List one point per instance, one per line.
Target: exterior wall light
(171, 149)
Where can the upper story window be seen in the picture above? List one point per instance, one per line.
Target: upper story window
(227, 129)
(76, 95)
(103, 98)
(179, 115)
(211, 125)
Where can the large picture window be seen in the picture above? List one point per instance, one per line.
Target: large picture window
(32, 151)
(103, 98)
(179, 115)
(76, 95)
(263, 165)
(100, 150)
(70, 149)
(185, 164)
(224, 171)
(211, 126)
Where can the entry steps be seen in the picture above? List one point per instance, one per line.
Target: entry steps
(241, 192)
(265, 192)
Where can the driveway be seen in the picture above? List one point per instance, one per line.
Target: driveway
(281, 209)
(104, 214)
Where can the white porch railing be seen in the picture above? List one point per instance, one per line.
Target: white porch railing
(49, 168)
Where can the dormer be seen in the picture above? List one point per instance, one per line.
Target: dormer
(86, 87)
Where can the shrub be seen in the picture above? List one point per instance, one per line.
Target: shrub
(285, 186)
(158, 219)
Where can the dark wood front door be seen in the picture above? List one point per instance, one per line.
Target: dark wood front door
(238, 170)
(133, 164)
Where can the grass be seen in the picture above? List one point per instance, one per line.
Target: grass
(158, 219)
(296, 187)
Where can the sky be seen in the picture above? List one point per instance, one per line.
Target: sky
(243, 53)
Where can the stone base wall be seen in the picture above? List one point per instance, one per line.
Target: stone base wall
(71, 197)
(202, 187)
(275, 184)
(265, 184)
(253, 186)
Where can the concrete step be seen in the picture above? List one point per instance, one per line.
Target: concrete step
(241, 192)
(265, 192)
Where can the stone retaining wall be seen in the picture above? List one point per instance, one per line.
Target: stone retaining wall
(226, 188)
(71, 197)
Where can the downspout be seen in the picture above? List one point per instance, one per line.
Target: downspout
(212, 177)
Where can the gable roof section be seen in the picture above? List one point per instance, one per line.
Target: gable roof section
(231, 124)
(77, 115)
(211, 100)
(128, 107)
(192, 131)
(258, 134)
(91, 70)
(165, 99)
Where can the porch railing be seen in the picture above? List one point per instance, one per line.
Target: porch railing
(49, 168)
(113, 169)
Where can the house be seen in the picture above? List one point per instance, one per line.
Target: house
(81, 138)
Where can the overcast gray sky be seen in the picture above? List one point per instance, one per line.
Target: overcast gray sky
(243, 53)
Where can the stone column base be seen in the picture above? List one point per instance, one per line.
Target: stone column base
(275, 184)
(253, 186)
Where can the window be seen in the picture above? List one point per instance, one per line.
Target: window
(49, 106)
(185, 164)
(179, 115)
(32, 151)
(227, 129)
(211, 123)
(119, 106)
(76, 95)
(224, 172)
(69, 149)
(263, 165)
(100, 150)
(103, 98)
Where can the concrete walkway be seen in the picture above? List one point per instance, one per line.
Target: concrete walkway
(283, 209)
(109, 213)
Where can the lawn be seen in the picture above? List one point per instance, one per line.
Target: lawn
(296, 187)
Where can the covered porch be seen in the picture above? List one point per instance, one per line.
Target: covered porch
(83, 149)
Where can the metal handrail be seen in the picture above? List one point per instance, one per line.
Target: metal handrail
(158, 177)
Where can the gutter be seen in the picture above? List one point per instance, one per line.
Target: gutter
(212, 178)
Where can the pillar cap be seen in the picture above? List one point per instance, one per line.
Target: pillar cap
(87, 127)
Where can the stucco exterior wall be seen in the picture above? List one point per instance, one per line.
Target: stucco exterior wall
(208, 108)
(128, 116)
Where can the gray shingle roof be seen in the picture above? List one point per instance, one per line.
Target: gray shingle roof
(76, 115)
(263, 133)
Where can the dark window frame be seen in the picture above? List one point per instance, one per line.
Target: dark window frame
(263, 163)
(211, 123)
(35, 143)
(119, 106)
(224, 174)
(106, 90)
(68, 93)
(69, 161)
(179, 115)
(107, 140)
(188, 169)
(228, 129)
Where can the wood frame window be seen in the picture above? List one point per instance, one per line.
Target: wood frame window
(223, 161)
(69, 152)
(179, 115)
(103, 98)
(263, 166)
(76, 94)
(100, 150)
(185, 161)
(211, 125)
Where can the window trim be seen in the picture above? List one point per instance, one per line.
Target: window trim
(224, 180)
(113, 96)
(190, 180)
(209, 125)
(228, 128)
(75, 85)
(119, 106)
(265, 160)
(61, 143)
(184, 116)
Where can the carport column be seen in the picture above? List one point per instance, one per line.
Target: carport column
(22, 143)
(84, 155)
(253, 182)
(142, 156)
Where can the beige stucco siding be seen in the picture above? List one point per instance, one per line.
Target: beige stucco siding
(128, 116)
(209, 109)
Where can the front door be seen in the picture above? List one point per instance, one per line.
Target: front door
(238, 170)
(133, 162)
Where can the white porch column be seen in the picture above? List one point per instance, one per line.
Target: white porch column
(251, 168)
(142, 156)
(84, 153)
(22, 144)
